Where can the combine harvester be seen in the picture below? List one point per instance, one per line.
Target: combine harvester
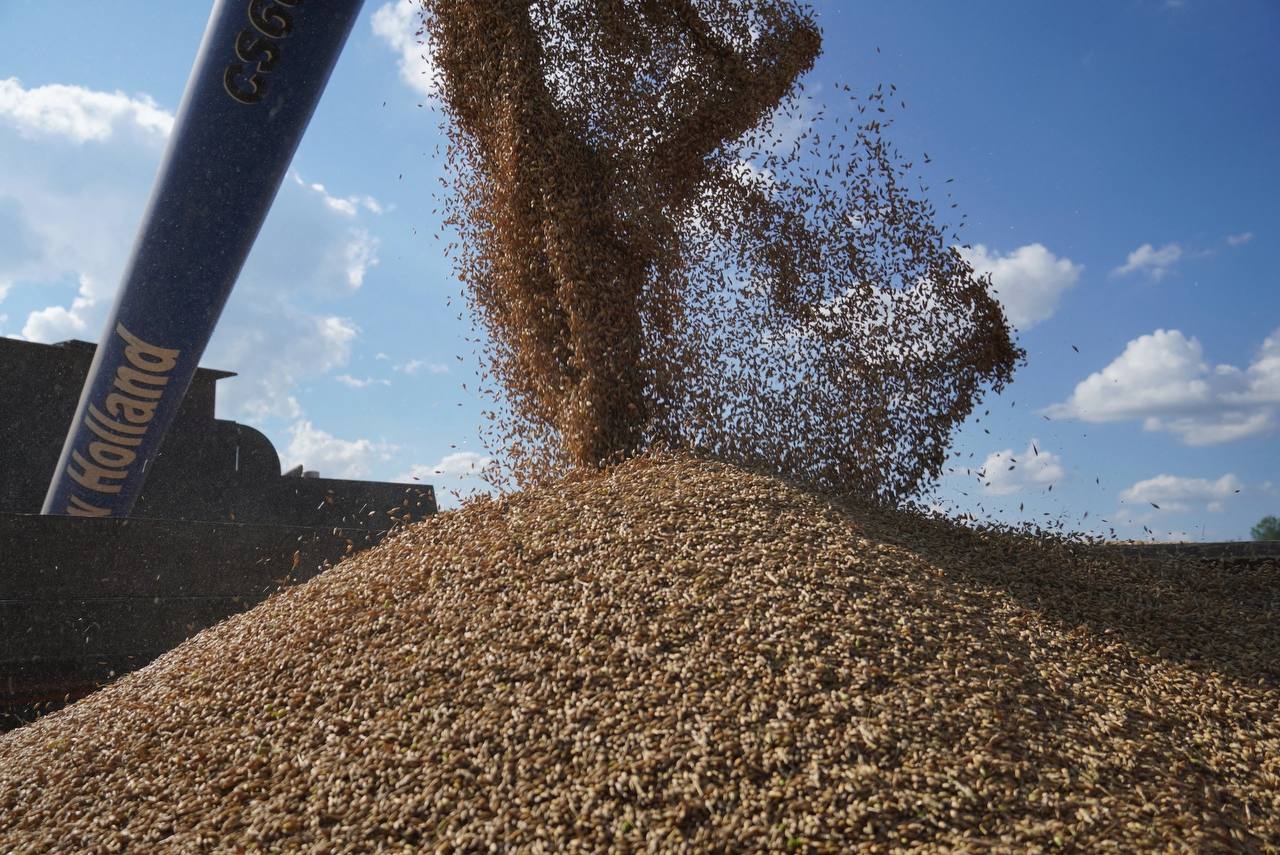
(153, 519)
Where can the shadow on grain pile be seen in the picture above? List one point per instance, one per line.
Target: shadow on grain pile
(1218, 615)
(681, 655)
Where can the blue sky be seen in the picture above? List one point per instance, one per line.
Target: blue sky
(1116, 161)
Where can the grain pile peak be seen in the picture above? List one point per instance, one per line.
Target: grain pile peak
(681, 655)
(665, 242)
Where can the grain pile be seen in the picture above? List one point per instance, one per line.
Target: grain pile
(681, 655)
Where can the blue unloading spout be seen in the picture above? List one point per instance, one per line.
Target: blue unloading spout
(256, 81)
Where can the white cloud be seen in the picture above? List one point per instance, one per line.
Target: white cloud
(54, 323)
(1215, 429)
(1028, 281)
(1238, 240)
(1162, 372)
(20, 256)
(301, 346)
(78, 114)
(357, 251)
(1163, 379)
(1179, 495)
(330, 456)
(1264, 372)
(414, 366)
(1004, 473)
(461, 464)
(346, 205)
(398, 23)
(361, 253)
(338, 332)
(342, 206)
(361, 382)
(454, 476)
(1155, 263)
(68, 215)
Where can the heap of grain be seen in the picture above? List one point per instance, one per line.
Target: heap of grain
(681, 655)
